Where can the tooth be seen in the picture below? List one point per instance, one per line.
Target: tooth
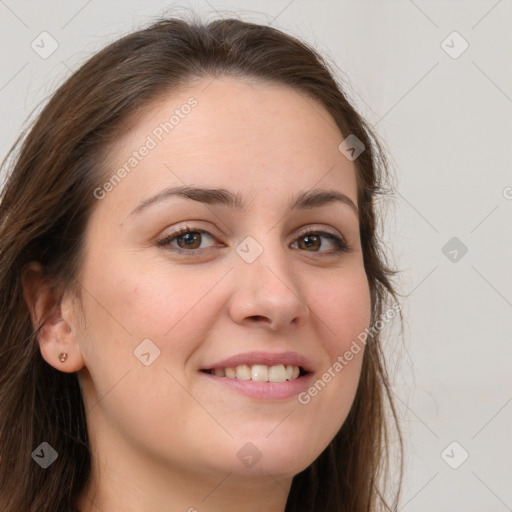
(277, 373)
(296, 372)
(259, 372)
(219, 372)
(243, 372)
(230, 372)
(289, 371)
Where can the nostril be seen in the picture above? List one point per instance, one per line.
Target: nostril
(258, 317)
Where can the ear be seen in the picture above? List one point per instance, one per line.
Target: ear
(53, 314)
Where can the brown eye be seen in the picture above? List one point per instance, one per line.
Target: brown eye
(190, 240)
(185, 239)
(312, 241)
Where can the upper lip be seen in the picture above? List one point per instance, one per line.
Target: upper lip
(265, 358)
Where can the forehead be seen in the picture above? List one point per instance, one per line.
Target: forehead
(238, 134)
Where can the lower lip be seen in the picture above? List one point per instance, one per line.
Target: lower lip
(264, 390)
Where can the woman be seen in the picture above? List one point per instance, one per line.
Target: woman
(192, 285)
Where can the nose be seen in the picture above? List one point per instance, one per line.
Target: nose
(267, 292)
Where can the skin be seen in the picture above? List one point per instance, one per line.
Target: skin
(163, 438)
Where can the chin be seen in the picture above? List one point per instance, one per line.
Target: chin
(282, 455)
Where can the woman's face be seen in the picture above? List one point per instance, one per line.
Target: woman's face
(179, 330)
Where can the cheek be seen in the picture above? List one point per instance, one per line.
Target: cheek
(122, 308)
(128, 303)
(344, 307)
(344, 310)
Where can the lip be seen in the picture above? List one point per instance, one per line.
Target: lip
(267, 391)
(266, 358)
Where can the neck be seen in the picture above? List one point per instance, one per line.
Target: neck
(136, 487)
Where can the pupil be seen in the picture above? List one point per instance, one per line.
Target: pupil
(310, 240)
(188, 239)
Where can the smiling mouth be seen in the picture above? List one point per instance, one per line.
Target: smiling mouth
(259, 372)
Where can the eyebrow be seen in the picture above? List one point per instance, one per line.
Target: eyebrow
(314, 198)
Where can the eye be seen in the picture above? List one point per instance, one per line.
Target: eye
(311, 241)
(186, 238)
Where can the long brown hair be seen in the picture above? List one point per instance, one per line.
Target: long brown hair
(47, 199)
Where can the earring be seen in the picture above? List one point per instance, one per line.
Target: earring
(63, 357)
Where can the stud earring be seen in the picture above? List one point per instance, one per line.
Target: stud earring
(63, 357)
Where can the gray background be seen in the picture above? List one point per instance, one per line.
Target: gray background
(446, 122)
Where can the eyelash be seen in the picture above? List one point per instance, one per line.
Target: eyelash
(341, 245)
